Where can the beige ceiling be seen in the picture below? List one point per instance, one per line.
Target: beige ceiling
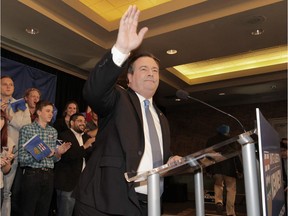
(56, 11)
(108, 13)
(73, 37)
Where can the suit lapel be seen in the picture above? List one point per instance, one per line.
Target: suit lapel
(135, 102)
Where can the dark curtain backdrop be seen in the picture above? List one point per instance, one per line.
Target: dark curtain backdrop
(68, 87)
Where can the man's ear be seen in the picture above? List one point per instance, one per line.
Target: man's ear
(129, 78)
(38, 112)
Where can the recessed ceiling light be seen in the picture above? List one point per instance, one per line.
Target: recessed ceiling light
(222, 93)
(32, 31)
(171, 52)
(257, 32)
(256, 20)
(177, 99)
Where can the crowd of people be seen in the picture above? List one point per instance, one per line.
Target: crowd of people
(28, 185)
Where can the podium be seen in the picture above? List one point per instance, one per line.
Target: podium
(194, 163)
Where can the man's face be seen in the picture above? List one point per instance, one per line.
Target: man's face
(145, 78)
(7, 87)
(45, 114)
(79, 124)
(32, 98)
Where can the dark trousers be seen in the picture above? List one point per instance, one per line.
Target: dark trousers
(16, 193)
(2, 196)
(36, 191)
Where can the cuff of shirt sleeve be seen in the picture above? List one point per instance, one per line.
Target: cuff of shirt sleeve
(118, 57)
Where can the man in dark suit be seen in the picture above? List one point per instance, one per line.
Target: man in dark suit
(123, 141)
(69, 168)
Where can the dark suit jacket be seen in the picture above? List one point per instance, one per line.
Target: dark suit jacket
(119, 145)
(68, 169)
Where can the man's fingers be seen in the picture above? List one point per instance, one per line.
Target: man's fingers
(142, 32)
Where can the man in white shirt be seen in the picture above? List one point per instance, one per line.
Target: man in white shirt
(123, 141)
(69, 168)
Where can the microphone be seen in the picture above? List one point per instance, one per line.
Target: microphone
(185, 95)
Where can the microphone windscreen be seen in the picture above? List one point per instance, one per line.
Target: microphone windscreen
(182, 94)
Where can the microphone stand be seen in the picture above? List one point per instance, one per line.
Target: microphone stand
(219, 111)
(185, 95)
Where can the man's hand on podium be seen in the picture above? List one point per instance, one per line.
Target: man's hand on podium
(173, 159)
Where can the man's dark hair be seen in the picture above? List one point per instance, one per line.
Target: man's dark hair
(41, 104)
(135, 56)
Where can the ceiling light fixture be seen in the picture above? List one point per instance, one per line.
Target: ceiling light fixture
(257, 32)
(229, 67)
(222, 94)
(171, 52)
(32, 31)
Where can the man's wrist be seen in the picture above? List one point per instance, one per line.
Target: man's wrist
(118, 57)
(56, 153)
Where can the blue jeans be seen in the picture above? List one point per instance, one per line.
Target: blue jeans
(65, 203)
(8, 182)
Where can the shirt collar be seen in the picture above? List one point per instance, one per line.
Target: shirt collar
(141, 98)
(76, 133)
(39, 125)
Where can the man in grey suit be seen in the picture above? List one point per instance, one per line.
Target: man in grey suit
(123, 141)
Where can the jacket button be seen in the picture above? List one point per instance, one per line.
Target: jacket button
(139, 152)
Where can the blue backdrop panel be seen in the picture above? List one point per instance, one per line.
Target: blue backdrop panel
(25, 77)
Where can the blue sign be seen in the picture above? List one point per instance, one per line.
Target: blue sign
(271, 175)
